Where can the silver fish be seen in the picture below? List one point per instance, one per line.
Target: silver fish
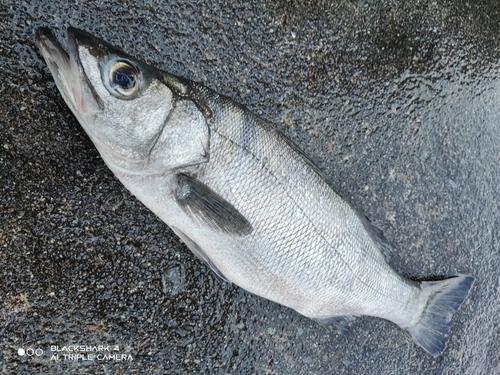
(239, 194)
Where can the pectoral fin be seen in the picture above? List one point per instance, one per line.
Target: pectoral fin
(202, 203)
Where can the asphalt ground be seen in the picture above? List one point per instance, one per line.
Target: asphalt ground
(397, 102)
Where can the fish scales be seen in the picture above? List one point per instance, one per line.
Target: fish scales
(300, 213)
(240, 195)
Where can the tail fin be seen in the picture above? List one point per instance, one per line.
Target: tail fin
(445, 297)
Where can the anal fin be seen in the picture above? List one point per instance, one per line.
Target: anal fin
(341, 323)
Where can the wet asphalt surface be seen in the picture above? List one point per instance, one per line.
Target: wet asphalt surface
(398, 104)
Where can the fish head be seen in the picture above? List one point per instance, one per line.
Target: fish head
(123, 104)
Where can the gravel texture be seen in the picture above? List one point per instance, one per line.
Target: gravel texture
(397, 102)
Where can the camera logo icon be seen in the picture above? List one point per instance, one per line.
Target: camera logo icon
(30, 352)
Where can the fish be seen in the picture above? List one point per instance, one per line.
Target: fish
(240, 194)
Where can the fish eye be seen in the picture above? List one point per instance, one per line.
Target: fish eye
(124, 78)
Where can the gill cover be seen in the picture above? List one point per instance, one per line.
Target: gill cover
(138, 121)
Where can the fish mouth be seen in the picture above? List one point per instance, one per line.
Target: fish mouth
(68, 73)
(77, 90)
